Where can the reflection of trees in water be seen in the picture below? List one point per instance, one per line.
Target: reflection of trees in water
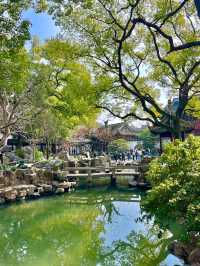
(109, 211)
(137, 250)
(50, 233)
(62, 233)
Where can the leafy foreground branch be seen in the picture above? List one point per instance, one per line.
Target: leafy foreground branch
(142, 50)
(175, 194)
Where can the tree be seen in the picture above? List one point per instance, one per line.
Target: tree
(46, 87)
(175, 189)
(118, 145)
(49, 128)
(141, 49)
(64, 95)
(148, 139)
(14, 29)
(14, 88)
(68, 82)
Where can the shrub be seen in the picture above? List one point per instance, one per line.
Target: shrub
(6, 167)
(175, 179)
(38, 155)
(20, 153)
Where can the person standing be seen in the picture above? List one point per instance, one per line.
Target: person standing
(136, 154)
(1, 157)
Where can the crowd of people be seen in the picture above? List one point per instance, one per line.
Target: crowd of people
(136, 154)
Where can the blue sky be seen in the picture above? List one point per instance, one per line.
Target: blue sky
(42, 24)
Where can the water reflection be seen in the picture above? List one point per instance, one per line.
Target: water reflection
(83, 228)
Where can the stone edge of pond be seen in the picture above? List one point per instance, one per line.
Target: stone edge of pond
(22, 192)
(188, 252)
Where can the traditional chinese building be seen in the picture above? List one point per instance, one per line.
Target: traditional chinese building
(187, 124)
(97, 140)
(78, 146)
(102, 136)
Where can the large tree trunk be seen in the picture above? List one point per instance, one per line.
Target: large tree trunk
(47, 148)
(177, 129)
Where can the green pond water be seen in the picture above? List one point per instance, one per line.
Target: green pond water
(82, 228)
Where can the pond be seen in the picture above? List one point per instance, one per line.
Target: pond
(82, 228)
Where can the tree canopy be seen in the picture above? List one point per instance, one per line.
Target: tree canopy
(68, 82)
(118, 145)
(45, 86)
(148, 139)
(140, 54)
(144, 52)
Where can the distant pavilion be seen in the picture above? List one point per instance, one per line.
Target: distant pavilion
(188, 124)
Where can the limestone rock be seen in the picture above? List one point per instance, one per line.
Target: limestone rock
(41, 164)
(40, 190)
(60, 190)
(10, 194)
(194, 257)
(65, 164)
(64, 185)
(84, 162)
(28, 153)
(47, 188)
(180, 250)
(55, 164)
(22, 194)
(63, 155)
(35, 195)
(9, 178)
(22, 175)
(72, 163)
(30, 190)
(12, 157)
(48, 175)
(6, 148)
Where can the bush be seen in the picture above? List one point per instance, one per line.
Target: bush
(6, 167)
(20, 153)
(175, 179)
(38, 155)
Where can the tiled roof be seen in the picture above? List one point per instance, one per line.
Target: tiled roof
(124, 129)
(186, 122)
